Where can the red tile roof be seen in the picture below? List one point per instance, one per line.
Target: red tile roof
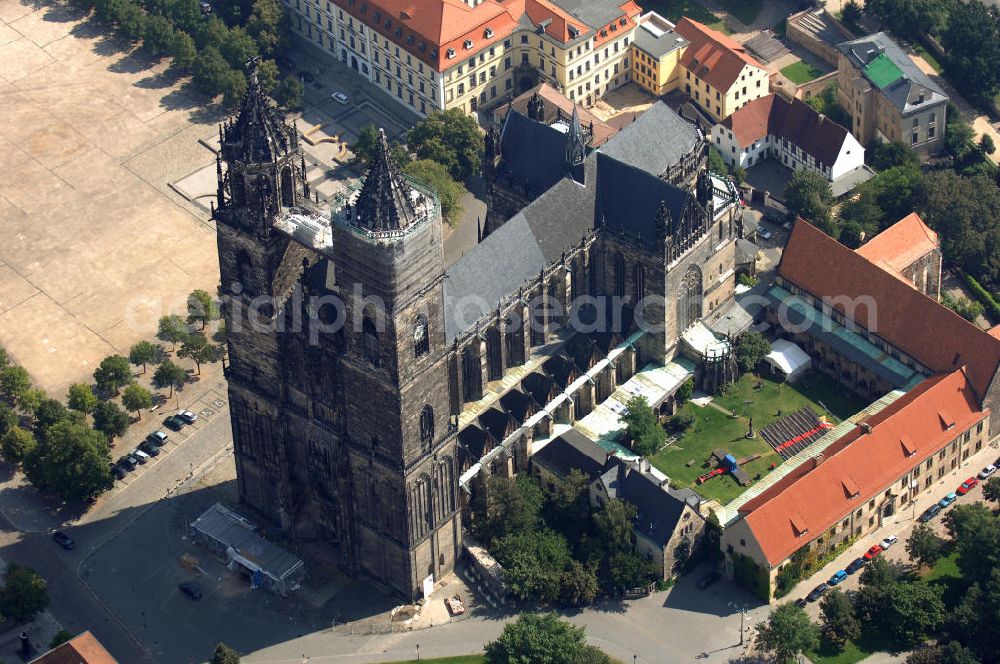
(83, 649)
(858, 467)
(793, 120)
(930, 333)
(898, 246)
(712, 56)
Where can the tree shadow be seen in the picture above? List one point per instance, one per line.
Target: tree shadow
(135, 62)
(61, 13)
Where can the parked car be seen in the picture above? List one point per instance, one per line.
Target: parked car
(149, 448)
(837, 577)
(174, 423)
(190, 589)
(948, 500)
(707, 580)
(158, 438)
(306, 76)
(801, 602)
(967, 486)
(987, 471)
(117, 471)
(888, 541)
(872, 552)
(855, 565)
(764, 233)
(340, 98)
(817, 592)
(929, 513)
(140, 456)
(63, 540)
(128, 462)
(188, 416)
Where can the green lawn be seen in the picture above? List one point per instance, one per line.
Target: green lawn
(929, 57)
(801, 72)
(849, 655)
(714, 429)
(674, 10)
(745, 11)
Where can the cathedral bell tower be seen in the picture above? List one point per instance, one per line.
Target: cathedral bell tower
(388, 252)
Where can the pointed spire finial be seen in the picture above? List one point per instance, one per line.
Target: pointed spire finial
(385, 202)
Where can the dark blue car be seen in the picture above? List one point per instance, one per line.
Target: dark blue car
(855, 565)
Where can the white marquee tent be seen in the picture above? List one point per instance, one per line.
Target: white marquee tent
(788, 359)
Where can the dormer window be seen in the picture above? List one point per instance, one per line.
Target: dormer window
(399, 33)
(422, 46)
(623, 21)
(574, 32)
(388, 23)
(450, 53)
(377, 16)
(467, 44)
(488, 33)
(409, 40)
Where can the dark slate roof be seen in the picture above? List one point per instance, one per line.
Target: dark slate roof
(384, 203)
(657, 140)
(746, 251)
(473, 439)
(629, 198)
(495, 268)
(563, 215)
(259, 133)
(532, 152)
(570, 450)
(658, 46)
(595, 13)
(905, 91)
(658, 508)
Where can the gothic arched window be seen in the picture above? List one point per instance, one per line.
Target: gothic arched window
(287, 188)
(513, 337)
(689, 299)
(494, 354)
(426, 427)
(472, 377)
(618, 266)
(369, 343)
(421, 342)
(640, 282)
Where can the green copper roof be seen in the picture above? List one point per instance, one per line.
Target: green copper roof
(882, 71)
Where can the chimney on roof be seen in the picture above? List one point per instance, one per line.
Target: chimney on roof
(865, 427)
(817, 460)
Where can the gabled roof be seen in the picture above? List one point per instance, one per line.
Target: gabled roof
(657, 140)
(532, 152)
(898, 246)
(853, 470)
(82, 649)
(932, 334)
(570, 450)
(712, 56)
(629, 198)
(794, 121)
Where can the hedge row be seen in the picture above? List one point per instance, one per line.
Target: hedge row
(984, 296)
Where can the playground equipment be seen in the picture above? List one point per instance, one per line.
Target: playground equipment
(727, 463)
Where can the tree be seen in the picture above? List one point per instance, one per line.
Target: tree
(8, 418)
(49, 412)
(883, 156)
(808, 195)
(751, 348)
(613, 526)
(629, 569)
(197, 348)
(851, 12)
(172, 329)
(924, 546)
(537, 638)
(169, 375)
(289, 92)
(210, 72)
(991, 489)
(533, 563)
(364, 147)
(839, 622)
(852, 234)
(113, 372)
(578, 584)
(81, 398)
(449, 192)
(268, 24)
(716, 163)
(135, 398)
(157, 35)
(17, 443)
(24, 595)
(642, 426)
(986, 145)
(976, 531)
(267, 75)
(909, 610)
(202, 308)
(512, 506)
(679, 423)
(968, 309)
(131, 21)
(233, 88)
(223, 654)
(450, 138)
(73, 462)
(110, 419)
(237, 48)
(951, 653)
(958, 138)
(31, 400)
(143, 353)
(14, 384)
(567, 506)
(59, 638)
(787, 632)
(183, 50)
(971, 42)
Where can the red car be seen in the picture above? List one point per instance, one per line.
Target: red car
(967, 486)
(872, 552)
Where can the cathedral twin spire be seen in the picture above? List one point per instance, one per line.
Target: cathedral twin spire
(386, 201)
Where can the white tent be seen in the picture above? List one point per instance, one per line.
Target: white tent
(788, 359)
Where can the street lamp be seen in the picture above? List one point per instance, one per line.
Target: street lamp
(418, 652)
(743, 614)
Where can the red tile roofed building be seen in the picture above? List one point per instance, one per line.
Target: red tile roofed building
(719, 75)
(439, 54)
(869, 471)
(82, 649)
(793, 133)
(910, 250)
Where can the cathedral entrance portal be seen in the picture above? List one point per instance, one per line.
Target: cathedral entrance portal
(526, 83)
